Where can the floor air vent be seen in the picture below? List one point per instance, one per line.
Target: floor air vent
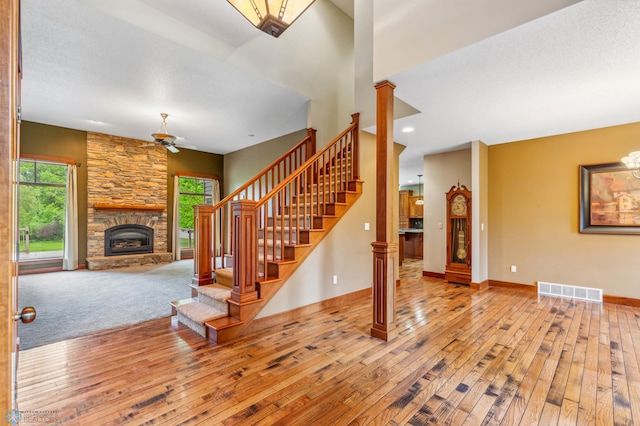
(563, 290)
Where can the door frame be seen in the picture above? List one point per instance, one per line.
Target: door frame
(9, 153)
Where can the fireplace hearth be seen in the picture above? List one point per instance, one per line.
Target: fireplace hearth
(126, 239)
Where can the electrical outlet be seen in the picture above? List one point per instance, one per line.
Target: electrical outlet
(335, 279)
(513, 268)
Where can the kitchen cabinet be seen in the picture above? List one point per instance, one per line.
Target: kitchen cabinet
(413, 246)
(403, 214)
(415, 210)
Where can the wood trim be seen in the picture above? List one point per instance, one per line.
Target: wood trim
(132, 207)
(48, 158)
(480, 286)
(292, 315)
(617, 300)
(202, 250)
(433, 274)
(506, 284)
(620, 300)
(196, 175)
(9, 151)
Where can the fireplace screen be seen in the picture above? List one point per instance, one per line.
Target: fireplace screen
(128, 239)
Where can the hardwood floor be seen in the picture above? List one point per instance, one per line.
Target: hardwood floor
(498, 356)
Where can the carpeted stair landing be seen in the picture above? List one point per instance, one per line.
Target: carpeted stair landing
(210, 304)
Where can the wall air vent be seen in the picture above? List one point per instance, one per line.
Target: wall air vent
(574, 292)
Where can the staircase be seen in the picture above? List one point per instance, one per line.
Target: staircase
(250, 243)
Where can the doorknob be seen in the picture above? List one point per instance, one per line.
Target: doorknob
(27, 315)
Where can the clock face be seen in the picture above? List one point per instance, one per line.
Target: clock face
(459, 205)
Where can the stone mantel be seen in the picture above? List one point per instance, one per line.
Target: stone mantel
(130, 207)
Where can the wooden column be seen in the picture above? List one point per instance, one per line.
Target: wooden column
(202, 249)
(384, 248)
(245, 252)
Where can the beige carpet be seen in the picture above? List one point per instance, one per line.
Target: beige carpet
(73, 303)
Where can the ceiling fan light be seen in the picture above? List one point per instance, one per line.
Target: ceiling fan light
(271, 16)
(163, 137)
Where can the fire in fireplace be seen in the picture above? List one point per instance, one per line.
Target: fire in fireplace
(128, 239)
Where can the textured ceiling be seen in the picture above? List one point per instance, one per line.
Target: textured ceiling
(113, 65)
(87, 70)
(572, 70)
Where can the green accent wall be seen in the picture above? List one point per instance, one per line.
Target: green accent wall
(43, 139)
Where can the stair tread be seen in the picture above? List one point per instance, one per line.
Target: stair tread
(200, 312)
(226, 322)
(215, 291)
(282, 262)
(181, 302)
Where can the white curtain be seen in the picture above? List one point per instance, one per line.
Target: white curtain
(175, 246)
(70, 254)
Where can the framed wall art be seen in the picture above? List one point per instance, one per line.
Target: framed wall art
(609, 200)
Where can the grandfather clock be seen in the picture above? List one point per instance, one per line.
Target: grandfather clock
(458, 267)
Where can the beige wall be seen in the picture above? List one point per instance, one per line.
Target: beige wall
(533, 213)
(480, 212)
(441, 172)
(315, 59)
(346, 251)
(242, 165)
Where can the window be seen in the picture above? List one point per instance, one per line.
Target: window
(192, 191)
(43, 191)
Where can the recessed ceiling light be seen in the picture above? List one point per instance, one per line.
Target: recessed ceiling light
(409, 181)
(407, 129)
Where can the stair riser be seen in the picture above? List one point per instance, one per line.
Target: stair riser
(288, 221)
(214, 303)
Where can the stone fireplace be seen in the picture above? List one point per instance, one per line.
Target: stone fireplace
(127, 188)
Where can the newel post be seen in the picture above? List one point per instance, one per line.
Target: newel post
(202, 251)
(355, 135)
(245, 253)
(384, 248)
(311, 143)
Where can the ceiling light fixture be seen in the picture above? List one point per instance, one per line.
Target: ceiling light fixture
(419, 201)
(271, 16)
(407, 129)
(632, 161)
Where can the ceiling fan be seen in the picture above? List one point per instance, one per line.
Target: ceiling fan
(163, 137)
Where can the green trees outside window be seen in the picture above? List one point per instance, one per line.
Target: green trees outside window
(192, 191)
(43, 191)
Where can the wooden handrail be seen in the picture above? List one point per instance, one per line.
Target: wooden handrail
(323, 151)
(208, 247)
(309, 141)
